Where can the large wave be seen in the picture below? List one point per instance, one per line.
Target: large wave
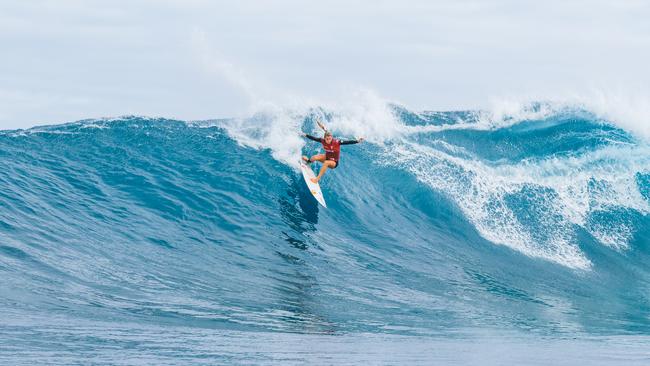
(536, 217)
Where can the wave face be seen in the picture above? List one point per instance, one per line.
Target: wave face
(439, 222)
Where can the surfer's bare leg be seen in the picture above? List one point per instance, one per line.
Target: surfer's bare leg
(319, 157)
(323, 169)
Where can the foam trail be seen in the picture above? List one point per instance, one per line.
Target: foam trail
(481, 193)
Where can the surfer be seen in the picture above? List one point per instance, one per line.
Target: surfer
(332, 148)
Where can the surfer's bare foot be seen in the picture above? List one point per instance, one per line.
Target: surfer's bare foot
(306, 159)
(314, 180)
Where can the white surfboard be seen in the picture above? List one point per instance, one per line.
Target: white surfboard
(314, 188)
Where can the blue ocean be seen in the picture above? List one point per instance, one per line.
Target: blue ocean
(450, 238)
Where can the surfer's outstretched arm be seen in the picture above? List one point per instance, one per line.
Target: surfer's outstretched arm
(317, 139)
(350, 142)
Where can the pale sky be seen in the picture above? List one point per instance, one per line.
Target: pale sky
(65, 60)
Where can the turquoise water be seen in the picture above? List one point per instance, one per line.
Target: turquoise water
(448, 237)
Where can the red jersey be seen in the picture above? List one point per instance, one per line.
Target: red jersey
(332, 150)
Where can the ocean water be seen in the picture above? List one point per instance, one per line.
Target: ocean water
(463, 237)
